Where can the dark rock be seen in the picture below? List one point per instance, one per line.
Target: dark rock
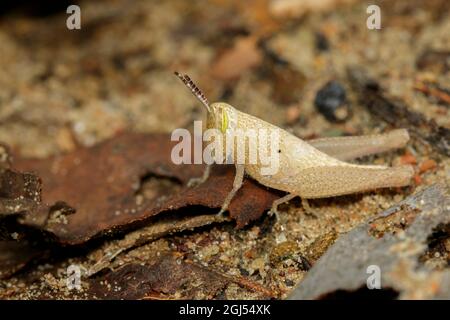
(331, 102)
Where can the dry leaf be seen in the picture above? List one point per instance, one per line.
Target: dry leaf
(100, 184)
(242, 57)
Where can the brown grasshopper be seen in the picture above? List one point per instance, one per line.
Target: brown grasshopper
(313, 169)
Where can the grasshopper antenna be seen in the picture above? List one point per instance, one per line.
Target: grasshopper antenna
(195, 90)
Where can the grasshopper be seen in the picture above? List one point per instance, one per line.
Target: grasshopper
(312, 169)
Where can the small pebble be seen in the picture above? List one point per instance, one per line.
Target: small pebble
(408, 159)
(289, 283)
(428, 164)
(331, 102)
(292, 114)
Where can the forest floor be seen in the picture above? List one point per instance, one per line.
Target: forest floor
(63, 91)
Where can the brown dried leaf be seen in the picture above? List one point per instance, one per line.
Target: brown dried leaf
(243, 56)
(19, 192)
(153, 231)
(14, 256)
(100, 184)
(163, 278)
(170, 277)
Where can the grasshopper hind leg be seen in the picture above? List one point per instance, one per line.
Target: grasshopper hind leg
(287, 198)
(309, 211)
(276, 203)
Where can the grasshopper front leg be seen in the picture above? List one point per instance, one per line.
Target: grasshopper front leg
(196, 181)
(237, 184)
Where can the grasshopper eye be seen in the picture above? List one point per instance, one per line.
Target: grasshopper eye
(224, 121)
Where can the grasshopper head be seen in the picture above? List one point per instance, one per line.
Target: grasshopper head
(221, 117)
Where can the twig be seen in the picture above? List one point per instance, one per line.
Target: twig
(430, 90)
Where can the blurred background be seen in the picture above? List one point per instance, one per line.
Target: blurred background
(60, 88)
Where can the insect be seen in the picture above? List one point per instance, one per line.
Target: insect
(313, 169)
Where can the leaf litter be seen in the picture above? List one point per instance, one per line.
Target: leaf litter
(93, 196)
(129, 87)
